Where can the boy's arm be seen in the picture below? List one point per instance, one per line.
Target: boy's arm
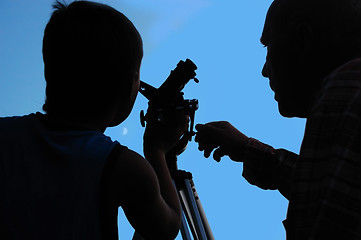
(145, 193)
(144, 188)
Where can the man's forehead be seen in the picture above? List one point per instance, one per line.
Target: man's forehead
(267, 25)
(276, 19)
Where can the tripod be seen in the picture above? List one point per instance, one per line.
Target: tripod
(193, 216)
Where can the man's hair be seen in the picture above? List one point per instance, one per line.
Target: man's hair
(91, 52)
(337, 21)
(336, 15)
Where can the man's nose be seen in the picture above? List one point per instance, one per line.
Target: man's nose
(265, 70)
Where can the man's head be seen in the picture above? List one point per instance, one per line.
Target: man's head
(306, 40)
(92, 54)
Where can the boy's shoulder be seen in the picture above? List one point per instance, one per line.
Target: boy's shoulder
(13, 124)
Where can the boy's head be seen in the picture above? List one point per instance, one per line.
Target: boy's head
(92, 55)
(306, 40)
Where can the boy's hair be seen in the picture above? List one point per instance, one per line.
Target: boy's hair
(91, 52)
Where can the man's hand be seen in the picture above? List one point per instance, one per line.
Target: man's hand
(259, 165)
(223, 137)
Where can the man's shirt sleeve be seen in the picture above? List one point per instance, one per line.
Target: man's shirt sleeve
(269, 168)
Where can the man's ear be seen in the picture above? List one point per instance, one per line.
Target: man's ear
(304, 40)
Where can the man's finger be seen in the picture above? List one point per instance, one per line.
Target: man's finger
(208, 151)
(199, 127)
(218, 154)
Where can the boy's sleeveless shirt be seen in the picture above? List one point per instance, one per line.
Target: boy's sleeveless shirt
(50, 180)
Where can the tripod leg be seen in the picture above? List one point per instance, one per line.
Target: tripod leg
(187, 213)
(184, 229)
(193, 213)
(202, 213)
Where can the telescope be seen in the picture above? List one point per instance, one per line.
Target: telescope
(164, 102)
(168, 98)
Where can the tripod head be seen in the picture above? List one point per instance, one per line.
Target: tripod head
(168, 98)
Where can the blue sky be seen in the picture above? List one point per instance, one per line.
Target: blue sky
(222, 38)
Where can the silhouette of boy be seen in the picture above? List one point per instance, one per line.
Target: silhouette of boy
(314, 68)
(60, 176)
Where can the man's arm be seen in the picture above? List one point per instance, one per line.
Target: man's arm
(268, 168)
(263, 166)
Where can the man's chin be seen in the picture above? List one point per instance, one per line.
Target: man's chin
(291, 111)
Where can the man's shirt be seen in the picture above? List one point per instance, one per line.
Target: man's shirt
(323, 183)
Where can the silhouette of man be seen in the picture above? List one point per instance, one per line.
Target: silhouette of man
(314, 68)
(60, 176)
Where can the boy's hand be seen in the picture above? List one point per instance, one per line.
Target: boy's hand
(163, 136)
(223, 137)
